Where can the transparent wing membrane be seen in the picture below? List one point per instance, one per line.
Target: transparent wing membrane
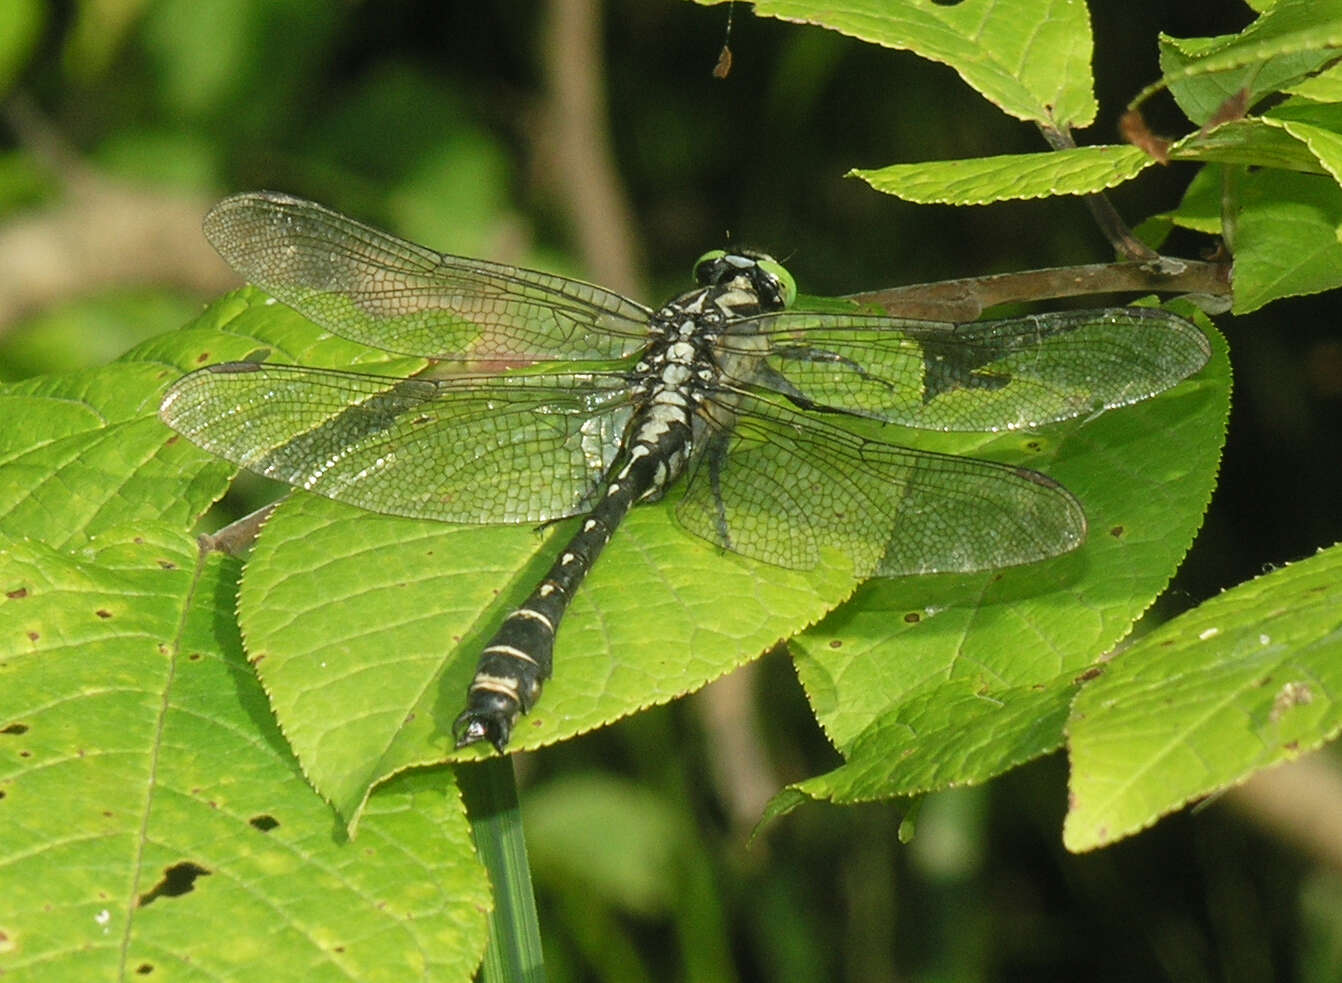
(781, 487)
(982, 376)
(494, 449)
(374, 288)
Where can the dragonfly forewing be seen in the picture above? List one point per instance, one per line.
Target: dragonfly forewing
(466, 449)
(374, 288)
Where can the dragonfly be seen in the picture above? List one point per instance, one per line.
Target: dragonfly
(728, 396)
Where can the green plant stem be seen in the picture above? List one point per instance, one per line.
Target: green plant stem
(489, 790)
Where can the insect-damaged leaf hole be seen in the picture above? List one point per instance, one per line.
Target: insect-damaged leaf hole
(177, 880)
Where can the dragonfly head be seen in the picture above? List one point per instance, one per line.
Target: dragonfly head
(764, 276)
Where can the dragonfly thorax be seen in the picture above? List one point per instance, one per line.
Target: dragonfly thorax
(681, 367)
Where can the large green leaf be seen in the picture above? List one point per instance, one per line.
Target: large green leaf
(122, 673)
(85, 451)
(1323, 87)
(929, 682)
(1029, 57)
(1286, 237)
(1318, 127)
(147, 794)
(1245, 681)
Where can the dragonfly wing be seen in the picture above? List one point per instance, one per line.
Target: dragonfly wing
(388, 293)
(980, 376)
(779, 486)
(466, 449)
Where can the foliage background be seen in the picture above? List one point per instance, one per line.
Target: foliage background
(447, 122)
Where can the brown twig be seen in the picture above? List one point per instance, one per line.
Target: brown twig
(579, 145)
(966, 298)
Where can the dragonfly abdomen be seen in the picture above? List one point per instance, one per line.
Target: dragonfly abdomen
(520, 657)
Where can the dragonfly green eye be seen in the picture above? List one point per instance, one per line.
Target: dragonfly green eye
(786, 286)
(769, 276)
(706, 266)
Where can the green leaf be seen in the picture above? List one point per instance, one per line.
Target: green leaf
(1288, 43)
(1324, 87)
(240, 323)
(929, 682)
(85, 451)
(978, 181)
(148, 793)
(414, 646)
(1298, 135)
(1029, 57)
(1325, 145)
(1286, 239)
(1245, 681)
(1324, 142)
(1256, 142)
(122, 671)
